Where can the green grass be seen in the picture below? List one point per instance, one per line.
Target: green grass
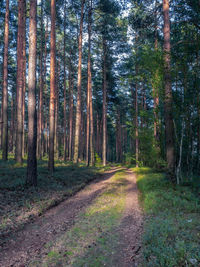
(19, 204)
(93, 240)
(172, 229)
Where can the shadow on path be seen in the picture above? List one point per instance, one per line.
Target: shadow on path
(30, 242)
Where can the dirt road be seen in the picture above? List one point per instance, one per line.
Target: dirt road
(32, 246)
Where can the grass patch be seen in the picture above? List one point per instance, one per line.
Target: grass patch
(19, 204)
(93, 239)
(172, 229)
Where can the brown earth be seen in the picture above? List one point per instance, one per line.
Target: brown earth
(131, 227)
(30, 242)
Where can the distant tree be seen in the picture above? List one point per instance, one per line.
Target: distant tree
(78, 104)
(169, 126)
(90, 130)
(52, 87)
(32, 115)
(5, 87)
(20, 78)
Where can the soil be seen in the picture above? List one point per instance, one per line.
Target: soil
(130, 251)
(30, 242)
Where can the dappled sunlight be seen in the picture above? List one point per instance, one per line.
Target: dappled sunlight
(93, 231)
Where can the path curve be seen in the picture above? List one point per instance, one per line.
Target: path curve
(30, 242)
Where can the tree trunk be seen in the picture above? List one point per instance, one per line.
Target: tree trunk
(92, 159)
(104, 113)
(56, 115)
(40, 106)
(20, 83)
(155, 89)
(57, 111)
(64, 107)
(71, 84)
(32, 115)
(136, 126)
(78, 105)
(23, 97)
(52, 87)
(5, 87)
(11, 145)
(90, 131)
(169, 127)
(45, 147)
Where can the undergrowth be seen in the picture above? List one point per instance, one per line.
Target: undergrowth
(172, 229)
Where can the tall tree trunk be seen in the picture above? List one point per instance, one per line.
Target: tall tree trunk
(57, 111)
(169, 127)
(88, 106)
(45, 147)
(92, 159)
(11, 125)
(32, 115)
(104, 113)
(78, 105)
(65, 103)
(90, 131)
(71, 84)
(40, 106)
(118, 137)
(52, 87)
(23, 96)
(56, 114)
(5, 87)
(20, 79)
(136, 125)
(155, 89)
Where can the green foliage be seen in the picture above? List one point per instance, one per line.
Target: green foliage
(98, 160)
(129, 158)
(171, 231)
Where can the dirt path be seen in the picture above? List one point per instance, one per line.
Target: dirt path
(30, 243)
(131, 227)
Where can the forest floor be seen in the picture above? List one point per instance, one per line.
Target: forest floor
(101, 225)
(20, 205)
(171, 232)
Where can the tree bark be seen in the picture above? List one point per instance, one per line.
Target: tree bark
(5, 87)
(11, 136)
(78, 105)
(71, 84)
(136, 126)
(65, 103)
(56, 146)
(52, 87)
(32, 115)
(20, 83)
(40, 106)
(169, 127)
(45, 147)
(104, 113)
(90, 131)
(155, 89)
(23, 96)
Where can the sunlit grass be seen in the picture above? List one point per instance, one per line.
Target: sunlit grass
(93, 239)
